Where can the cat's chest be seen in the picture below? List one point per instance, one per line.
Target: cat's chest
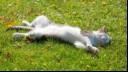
(90, 36)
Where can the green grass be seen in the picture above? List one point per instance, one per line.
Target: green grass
(53, 55)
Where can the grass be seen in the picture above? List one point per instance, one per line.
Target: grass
(53, 55)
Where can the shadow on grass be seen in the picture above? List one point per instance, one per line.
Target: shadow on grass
(60, 41)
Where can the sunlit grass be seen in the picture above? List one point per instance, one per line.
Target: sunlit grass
(53, 55)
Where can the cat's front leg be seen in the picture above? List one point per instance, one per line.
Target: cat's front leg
(79, 45)
(92, 49)
(87, 47)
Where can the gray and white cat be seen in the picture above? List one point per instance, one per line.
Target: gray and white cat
(42, 26)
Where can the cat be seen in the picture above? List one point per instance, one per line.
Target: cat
(42, 26)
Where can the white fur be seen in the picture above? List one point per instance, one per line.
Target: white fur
(40, 21)
(42, 26)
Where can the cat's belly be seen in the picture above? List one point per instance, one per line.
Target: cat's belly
(66, 33)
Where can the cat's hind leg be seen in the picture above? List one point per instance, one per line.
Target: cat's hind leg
(26, 23)
(29, 36)
(20, 35)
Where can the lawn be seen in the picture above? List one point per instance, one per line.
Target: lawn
(54, 55)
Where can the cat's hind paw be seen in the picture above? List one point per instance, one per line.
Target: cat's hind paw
(26, 23)
(18, 35)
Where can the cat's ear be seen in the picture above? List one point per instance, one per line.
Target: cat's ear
(102, 29)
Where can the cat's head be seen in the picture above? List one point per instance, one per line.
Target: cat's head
(101, 36)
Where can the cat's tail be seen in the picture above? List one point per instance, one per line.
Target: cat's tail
(20, 28)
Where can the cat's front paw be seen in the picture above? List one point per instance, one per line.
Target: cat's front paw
(95, 50)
